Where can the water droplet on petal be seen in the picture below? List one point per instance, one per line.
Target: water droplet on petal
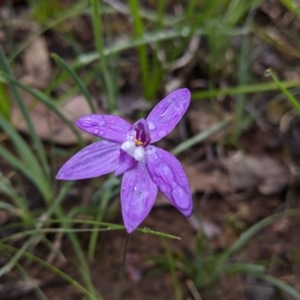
(101, 132)
(61, 175)
(129, 228)
(179, 108)
(101, 122)
(162, 133)
(143, 195)
(165, 111)
(165, 174)
(151, 125)
(167, 171)
(95, 130)
(180, 197)
(131, 183)
(162, 188)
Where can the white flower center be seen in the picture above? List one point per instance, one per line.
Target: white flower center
(137, 152)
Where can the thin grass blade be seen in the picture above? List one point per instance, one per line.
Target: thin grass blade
(284, 90)
(76, 79)
(35, 138)
(45, 100)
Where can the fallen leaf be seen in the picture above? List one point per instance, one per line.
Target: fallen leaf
(237, 175)
(266, 173)
(16, 289)
(37, 64)
(201, 120)
(207, 178)
(48, 125)
(210, 229)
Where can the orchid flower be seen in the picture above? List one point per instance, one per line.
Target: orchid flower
(126, 149)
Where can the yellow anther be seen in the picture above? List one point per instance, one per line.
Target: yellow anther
(138, 143)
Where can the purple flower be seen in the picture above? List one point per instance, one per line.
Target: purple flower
(126, 149)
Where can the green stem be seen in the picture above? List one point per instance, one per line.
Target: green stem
(97, 27)
(172, 267)
(122, 271)
(283, 89)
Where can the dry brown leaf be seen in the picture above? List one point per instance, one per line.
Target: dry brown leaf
(266, 173)
(237, 175)
(201, 120)
(190, 53)
(204, 178)
(15, 289)
(207, 178)
(48, 125)
(210, 229)
(37, 64)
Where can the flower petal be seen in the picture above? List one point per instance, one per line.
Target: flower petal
(94, 160)
(109, 127)
(167, 172)
(167, 113)
(138, 194)
(126, 162)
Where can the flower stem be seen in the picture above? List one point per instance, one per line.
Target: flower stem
(122, 271)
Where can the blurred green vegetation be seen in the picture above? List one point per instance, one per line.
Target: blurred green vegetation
(159, 33)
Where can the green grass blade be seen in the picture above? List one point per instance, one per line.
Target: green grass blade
(4, 103)
(41, 185)
(35, 138)
(53, 208)
(279, 284)
(98, 36)
(199, 137)
(24, 274)
(63, 192)
(20, 203)
(292, 7)
(50, 267)
(4, 205)
(21, 147)
(75, 10)
(70, 93)
(284, 90)
(238, 8)
(153, 37)
(145, 13)
(172, 268)
(161, 234)
(252, 231)
(106, 194)
(244, 89)
(111, 226)
(45, 100)
(243, 78)
(20, 235)
(142, 50)
(76, 79)
(244, 239)
(12, 262)
(76, 246)
(246, 268)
